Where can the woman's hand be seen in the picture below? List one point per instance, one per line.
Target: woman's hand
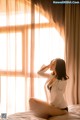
(52, 65)
(45, 67)
(42, 71)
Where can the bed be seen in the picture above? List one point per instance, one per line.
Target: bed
(74, 114)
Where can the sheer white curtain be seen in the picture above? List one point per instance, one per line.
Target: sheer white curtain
(27, 40)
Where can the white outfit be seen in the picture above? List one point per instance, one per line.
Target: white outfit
(55, 95)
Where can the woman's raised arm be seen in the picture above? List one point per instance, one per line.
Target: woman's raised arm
(42, 71)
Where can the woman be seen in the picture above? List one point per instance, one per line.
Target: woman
(55, 87)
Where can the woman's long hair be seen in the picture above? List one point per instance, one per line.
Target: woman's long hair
(61, 69)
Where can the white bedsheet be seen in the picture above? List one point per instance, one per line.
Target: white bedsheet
(74, 114)
(24, 116)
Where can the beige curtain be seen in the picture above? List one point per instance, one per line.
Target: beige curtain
(28, 39)
(72, 41)
(55, 13)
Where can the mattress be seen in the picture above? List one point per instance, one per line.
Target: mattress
(73, 114)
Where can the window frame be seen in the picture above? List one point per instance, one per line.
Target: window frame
(8, 30)
(24, 30)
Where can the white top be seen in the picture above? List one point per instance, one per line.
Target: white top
(55, 95)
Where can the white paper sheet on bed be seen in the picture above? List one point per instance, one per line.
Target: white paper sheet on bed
(74, 114)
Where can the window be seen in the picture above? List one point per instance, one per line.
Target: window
(23, 49)
(8, 48)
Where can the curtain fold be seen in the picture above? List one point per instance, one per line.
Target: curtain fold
(56, 11)
(72, 42)
(50, 7)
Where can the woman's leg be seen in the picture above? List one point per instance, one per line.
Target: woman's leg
(38, 107)
(43, 109)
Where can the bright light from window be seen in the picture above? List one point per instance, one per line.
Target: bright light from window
(11, 51)
(13, 94)
(48, 45)
(21, 19)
